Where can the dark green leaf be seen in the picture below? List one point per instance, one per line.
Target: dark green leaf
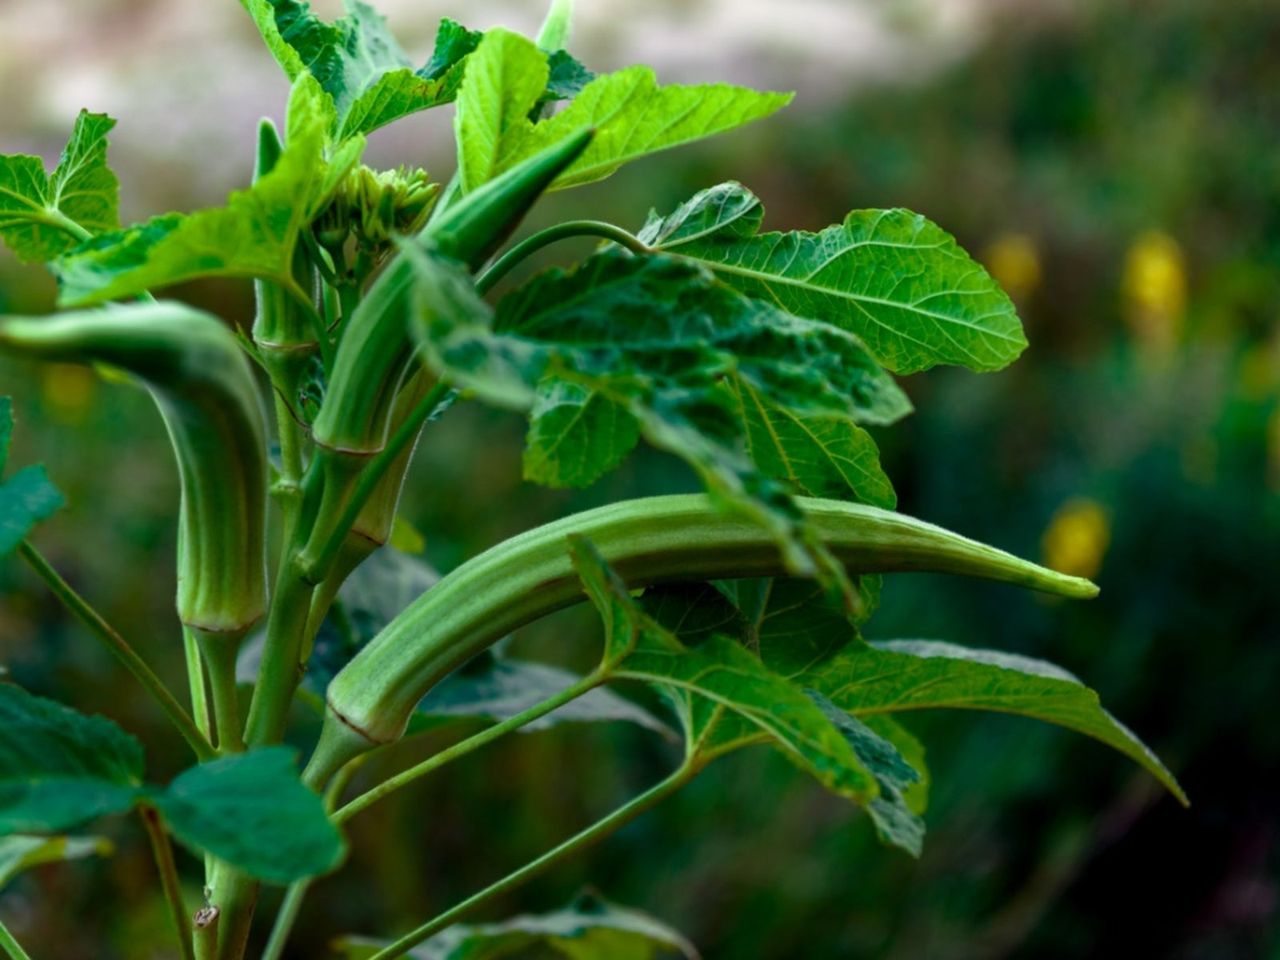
(42, 216)
(894, 820)
(890, 276)
(59, 768)
(654, 337)
(590, 929)
(254, 235)
(27, 497)
(718, 678)
(252, 810)
(20, 852)
(359, 63)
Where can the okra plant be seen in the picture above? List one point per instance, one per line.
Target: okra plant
(384, 299)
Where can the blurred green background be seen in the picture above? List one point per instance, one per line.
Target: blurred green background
(1117, 166)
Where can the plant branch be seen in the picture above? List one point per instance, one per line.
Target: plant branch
(99, 627)
(486, 736)
(317, 565)
(543, 238)
(163, 851)
(11, 946)
(574, 845)
(220, 659)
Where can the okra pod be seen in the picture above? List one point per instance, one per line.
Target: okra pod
(648, 541)
(204, 387)
(375, 348)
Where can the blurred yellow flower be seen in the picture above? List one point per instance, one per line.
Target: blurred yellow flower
(1077, 538)
(1155, 292)
(1014, 261)
(68, 391)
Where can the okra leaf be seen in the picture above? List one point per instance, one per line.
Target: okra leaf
(803, 636)
(359, 63)
(27, 497)
(895, 822)
(22, 852)
(818, 454)
(44, 215)
(591, 928)
(60, 768)
(252, 810)
(505, 79)
(652, 339)
(895, 279)
(490, 688)
(633, 116)
(718, 676)
(254, 235)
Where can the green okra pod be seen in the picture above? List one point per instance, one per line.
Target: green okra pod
(375, 348)
(205, 390)
(648, 541)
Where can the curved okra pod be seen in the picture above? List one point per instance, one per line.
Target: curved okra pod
(647, 541)
(204, 387)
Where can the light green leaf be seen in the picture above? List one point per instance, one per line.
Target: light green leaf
(254, 235)
(27, 497)
(898, 281)
(718, 677)
(59, 768)
(576, 435)
(633, 117)
(504, 80)
(21, 852)
(589, 929)
(42, 216)
(252, 810)
(359, 63)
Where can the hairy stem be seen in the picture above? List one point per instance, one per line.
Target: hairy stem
(574, 845)
(544, 238)
(120, 648)
(463, 747)
(163, 852)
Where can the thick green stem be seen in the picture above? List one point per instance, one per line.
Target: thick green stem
(204, 934)
(120, 648)
(463, 747)
(574, 845)
(11, 946)
(163, 851)
(234, 895)
(544, 238)
(281, 655)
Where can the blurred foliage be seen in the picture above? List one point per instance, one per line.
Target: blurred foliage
(1122, 173)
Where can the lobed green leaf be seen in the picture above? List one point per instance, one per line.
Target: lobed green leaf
(44, 215)
(895, 279)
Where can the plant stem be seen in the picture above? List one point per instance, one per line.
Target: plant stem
(575, 844)
(99, 627)
(199, 690)
(288, 487)
(543, 238)
(163, 851)
(488, 735)
(220, 659)
(205, 933)
(279, 672)
(11, 945)
(371, 473)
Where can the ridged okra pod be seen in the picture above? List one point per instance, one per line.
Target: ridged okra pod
(648, 541)
(374, 351)
(205, 390)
